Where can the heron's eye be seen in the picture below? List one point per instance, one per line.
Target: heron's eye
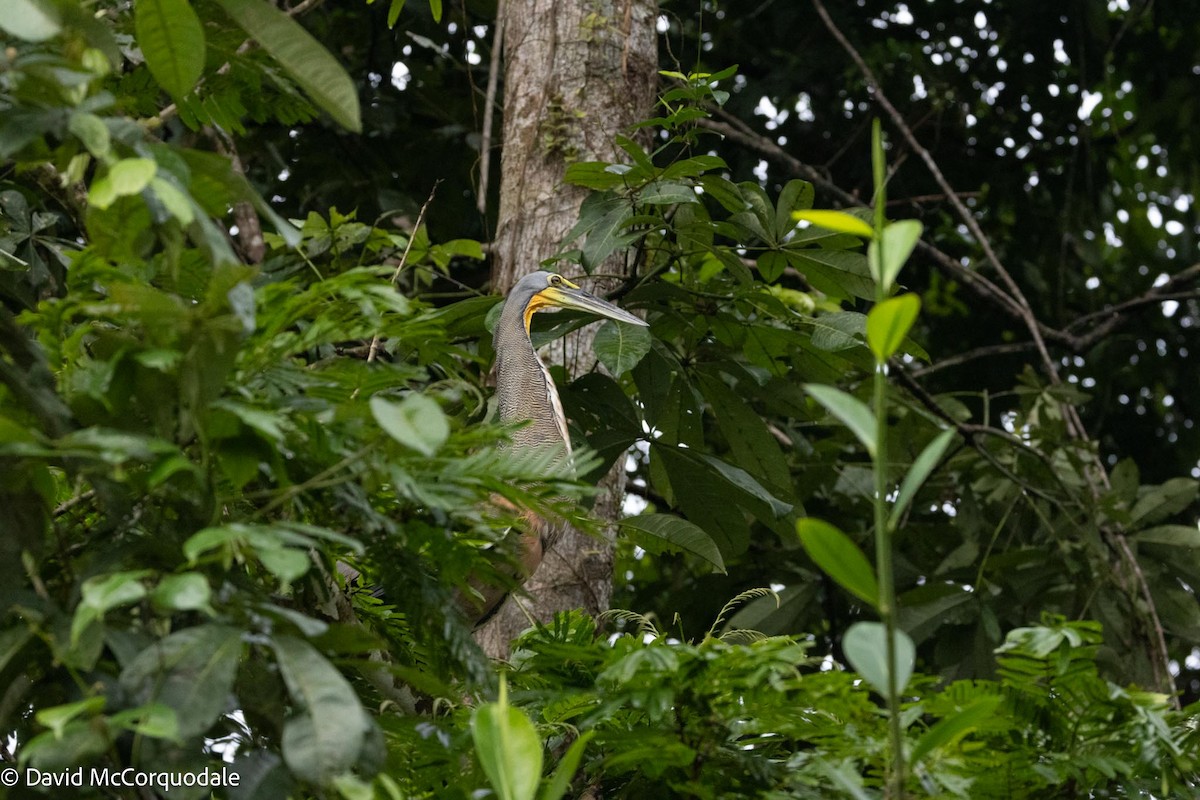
(556, 280)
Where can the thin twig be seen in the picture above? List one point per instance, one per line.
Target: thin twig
(489, 106)
(374, 350)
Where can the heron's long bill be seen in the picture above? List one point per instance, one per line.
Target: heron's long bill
(571, 296)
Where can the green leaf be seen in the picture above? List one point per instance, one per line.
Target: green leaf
(666, 532)
(154, 719)
(417, 422)
(560, 782)
(724, 192)
(56, 717)
(620, 347)
(839, 557)
(836, 221)
(917, 474)
(172, 41)
(508, 747)
(753, 446)
(126, 177)
(665, 193)
(1173, 535)
(304, 58)
(795, 197)
(888, 253)
(889, 322)
(191, 671)
(174, 200)
(840, 330)
(188, 591)
(956, 726)
(865, 646)
(394, 12)
(435, 8)
(325, 737)
(31, 20)
(91, 130)
(852, 412)
(836, 272)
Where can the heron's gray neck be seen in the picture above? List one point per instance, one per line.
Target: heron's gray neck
(524, 388)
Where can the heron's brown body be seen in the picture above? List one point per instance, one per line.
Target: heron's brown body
(525, 392)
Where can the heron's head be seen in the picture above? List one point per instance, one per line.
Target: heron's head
(544, 291)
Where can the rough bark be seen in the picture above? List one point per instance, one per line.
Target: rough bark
(576, 74)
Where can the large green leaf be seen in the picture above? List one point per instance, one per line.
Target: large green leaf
(865, 646)
(665, 532)
(303, 57)
(888, 253)
(191, 671)
(31, 20)
(325, 736)
(852, 412)
(417, 422)
(508, 747)
(836, 554)
(754, 448)
(889, 322)
(172, 41)
(620, 346)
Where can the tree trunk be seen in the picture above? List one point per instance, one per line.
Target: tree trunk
(576, 74)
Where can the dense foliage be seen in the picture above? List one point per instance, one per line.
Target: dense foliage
(199, 420)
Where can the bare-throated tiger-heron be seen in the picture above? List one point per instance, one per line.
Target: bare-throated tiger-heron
(525, 392)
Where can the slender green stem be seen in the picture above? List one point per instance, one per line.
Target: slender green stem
(887, 587)
(883, 536)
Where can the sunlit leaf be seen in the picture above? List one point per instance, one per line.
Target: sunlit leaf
(889, 322)
(888, 253)
(836, 221)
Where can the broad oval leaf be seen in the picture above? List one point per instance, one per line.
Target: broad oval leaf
(304, 58)
(188, 591)
(325, 738)
(191, 671)
(31, 20)
(620, 347)
(852, 412)
(127, 176)
(839, 557)
(865, 646)
(888, 253)
(666, 532)
(417, 422)
(172, 41)
(838, 221)
(889, 322)
(508, 747)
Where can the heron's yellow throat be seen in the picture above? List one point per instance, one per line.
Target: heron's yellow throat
(550, 297)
